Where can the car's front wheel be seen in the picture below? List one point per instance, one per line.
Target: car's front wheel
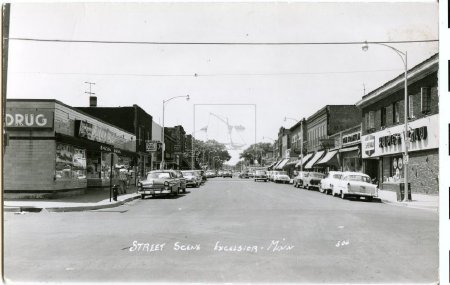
(142, 196)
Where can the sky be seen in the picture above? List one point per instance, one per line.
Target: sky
(281, 80)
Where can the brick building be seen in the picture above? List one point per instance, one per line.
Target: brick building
(179, 157)
(326, 122)
(346, 154)
(56, 150)
(298, 147)
(383, 135)
(133, 119)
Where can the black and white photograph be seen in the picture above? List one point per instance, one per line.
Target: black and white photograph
(210, 142)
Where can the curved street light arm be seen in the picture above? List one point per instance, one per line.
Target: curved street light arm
(186, 96)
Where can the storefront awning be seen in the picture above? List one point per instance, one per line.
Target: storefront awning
(305, 159)
(282, 163)
(353, 148)
(272, 165)
(329, 158)
(313, 160)
(292, 162)
(276, 164)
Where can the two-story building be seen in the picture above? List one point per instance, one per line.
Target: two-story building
(346, 154)
(383, 136)
(329, 120)
(298, 147)
(55, 150)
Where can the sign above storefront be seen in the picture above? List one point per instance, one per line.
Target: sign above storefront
(97, 133)
(351, 138)
(152, 145)
(29, 118)
(423, 134)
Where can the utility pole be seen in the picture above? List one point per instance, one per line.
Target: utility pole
(5, 47)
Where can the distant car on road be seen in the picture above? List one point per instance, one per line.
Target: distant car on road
(260, 175)
(355, 184)
(328, 183)
(227, 174)
(313, 180)
(159, 182)
(281, 177)
(298, 180)
(210, 174)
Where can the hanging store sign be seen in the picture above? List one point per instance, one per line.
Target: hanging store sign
(369, 145)
(151, 145)
(28, 118)
(423, 134)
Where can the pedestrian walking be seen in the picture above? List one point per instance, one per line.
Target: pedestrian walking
(123, 178)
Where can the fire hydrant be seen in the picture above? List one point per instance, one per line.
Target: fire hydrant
(115, 192)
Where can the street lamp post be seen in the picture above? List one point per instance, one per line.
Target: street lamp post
(404, 58)
(163, 162)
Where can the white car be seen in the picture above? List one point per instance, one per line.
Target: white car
(327, 184)
(281, 176)
(355, 184)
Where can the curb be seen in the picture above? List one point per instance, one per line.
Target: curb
(69, 209)
(402, 204)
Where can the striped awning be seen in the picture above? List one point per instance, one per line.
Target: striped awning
(272, 165)
(281, 164)
(328, 158)
(313, 160)
(292, 161)
(305, 159)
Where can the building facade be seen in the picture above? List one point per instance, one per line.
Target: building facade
(133, 119)
(383, 136)
(56, 150)
(326, 122)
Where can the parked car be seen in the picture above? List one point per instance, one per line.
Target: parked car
(192, 179)
(243, 175)
(313, 180)
(355, 184)
(159, 182)
(227, 174)
(327, 184)
(210, 174)
(281, 176)
(251, 174)
(260, 175)
(298, 180)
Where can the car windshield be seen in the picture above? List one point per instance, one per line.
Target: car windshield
(282, 173)
(359, 178)
(153, 175)
(317, 175)
(187, 173)
(337, 176)
(260, 172)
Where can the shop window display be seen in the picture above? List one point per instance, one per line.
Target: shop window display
(70, 162)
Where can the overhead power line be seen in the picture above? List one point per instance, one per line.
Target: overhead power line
(208, 74)
(216, 43)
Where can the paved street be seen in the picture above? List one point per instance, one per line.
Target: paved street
(278, 233)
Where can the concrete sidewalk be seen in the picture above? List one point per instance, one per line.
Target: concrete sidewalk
(93, 199)
(418, 201)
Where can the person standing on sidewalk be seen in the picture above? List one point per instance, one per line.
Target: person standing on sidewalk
(123, 178)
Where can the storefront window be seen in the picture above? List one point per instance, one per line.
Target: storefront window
(70, 162)
(395, 173)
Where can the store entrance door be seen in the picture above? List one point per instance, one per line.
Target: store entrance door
(371, 169)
